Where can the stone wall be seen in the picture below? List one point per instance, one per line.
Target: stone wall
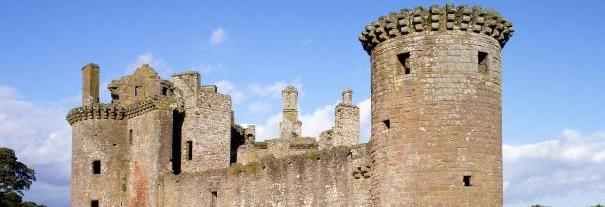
(346, 123)
(318, 178)
(149, 135)
(207, 127)
(98, 138)
(436, 108)
(290, 126)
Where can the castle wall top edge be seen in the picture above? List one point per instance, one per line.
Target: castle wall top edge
(437, 19)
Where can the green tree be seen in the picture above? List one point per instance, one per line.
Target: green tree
(14, 178)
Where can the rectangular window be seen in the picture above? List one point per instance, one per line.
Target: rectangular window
(96, 167)
(189, 150)
(467, 180)
(482, 62)
(137, 91)
(214, 199)
(404, 62)
(130, 136)
(94, 203)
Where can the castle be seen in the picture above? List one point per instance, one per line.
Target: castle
(436, 137)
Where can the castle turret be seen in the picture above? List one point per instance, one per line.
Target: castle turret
(290, 126)
(99, 147)
(90, 84)
(436, 106)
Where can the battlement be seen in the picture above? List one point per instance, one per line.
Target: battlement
(97, 111)
(436, 18)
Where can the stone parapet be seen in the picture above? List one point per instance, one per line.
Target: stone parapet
(97, 111)
(436, 18)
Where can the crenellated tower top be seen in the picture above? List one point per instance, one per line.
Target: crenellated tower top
(437, 19)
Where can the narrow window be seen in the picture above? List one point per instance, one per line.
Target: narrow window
(387, 123)
(214, 199)
(130, 136)
(137, 91)
(467, 180)
(189, 150)
(482, 62)
(404, 61)
(164, 91)
(177, 124)
(94, 203)
(96, 167)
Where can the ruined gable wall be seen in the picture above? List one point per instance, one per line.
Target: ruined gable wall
(346, 126)
(319, 178)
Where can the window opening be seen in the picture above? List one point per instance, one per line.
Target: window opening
(404, 61)
(467, 180)
(189, 150)
(96, 167)
(482, 62)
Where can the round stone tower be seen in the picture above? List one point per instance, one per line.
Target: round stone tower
(99, 147)
(436, 106)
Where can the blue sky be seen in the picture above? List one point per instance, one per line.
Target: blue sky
(553, 126)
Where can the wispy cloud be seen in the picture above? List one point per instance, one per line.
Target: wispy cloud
(147, 58)
(554, 168)
(272, 90)
(218, 36)
(227, 87)
(41, 138)
(365, 121)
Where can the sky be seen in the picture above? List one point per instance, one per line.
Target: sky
(553, 79)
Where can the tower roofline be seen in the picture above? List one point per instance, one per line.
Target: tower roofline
(437, 19)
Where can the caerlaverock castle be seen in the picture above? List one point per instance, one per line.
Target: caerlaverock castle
(435, 139)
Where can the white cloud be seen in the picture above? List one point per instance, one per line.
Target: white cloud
(554, 168)
(41, 139)
(147, 58)
(365, 121)
(6, 91)
(272, 90)
(218, 36)
(321, 119)
(206, 69)
(227, 87)
(268, 130)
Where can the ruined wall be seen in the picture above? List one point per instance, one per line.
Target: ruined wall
(436, 107)
(143, 84)
(324, 178)
(207, 128)
(290, 126)
(149, 132)
(346, 123)
(98, 133)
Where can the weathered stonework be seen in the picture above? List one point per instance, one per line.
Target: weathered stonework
(436, 130)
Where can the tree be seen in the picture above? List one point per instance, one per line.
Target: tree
(14, 178)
